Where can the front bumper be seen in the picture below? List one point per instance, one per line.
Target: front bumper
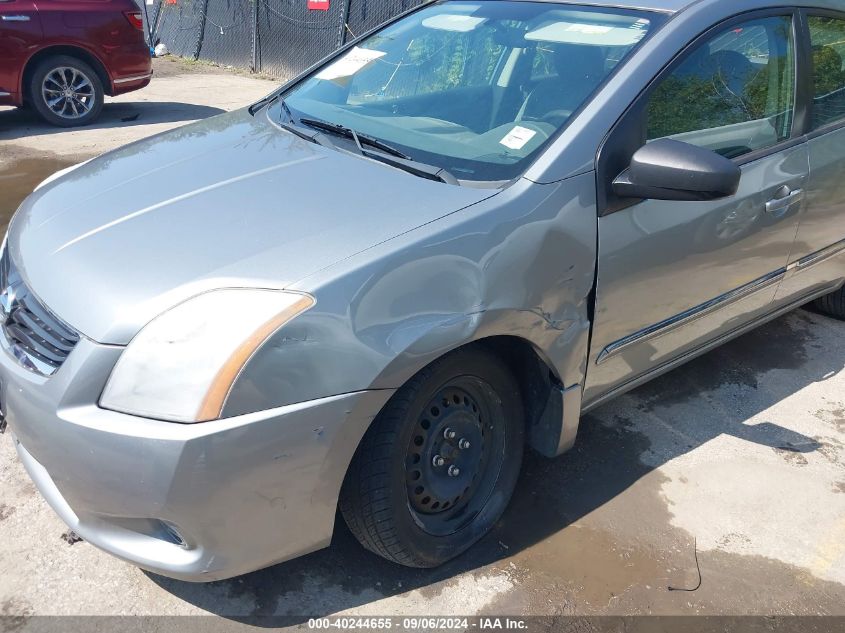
(196, 502)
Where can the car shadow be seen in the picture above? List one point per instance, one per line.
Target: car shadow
(553, 494)
(18, 123)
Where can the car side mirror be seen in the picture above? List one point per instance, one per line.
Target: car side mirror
(666, 169)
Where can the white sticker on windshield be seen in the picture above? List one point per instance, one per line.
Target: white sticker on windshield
(518, 137)
(350, 63)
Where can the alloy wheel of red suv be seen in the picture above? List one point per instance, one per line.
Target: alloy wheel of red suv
(66, 91)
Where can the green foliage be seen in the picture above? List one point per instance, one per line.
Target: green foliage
(828, 38)
(437, 62)
(686, 104)
(706, 100)
(828, 75)
(457, 61)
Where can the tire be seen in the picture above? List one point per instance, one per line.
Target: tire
(832, 304)
(401, 505)
(82, 101)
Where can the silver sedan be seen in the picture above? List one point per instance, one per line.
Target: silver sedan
(370, 291)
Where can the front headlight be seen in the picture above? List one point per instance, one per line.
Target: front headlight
(181, 366)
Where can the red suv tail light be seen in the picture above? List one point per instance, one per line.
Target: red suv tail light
(135, 20)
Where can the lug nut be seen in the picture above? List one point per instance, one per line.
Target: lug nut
(454, 471)
(438, 461)
(449, 434)
(464, 443)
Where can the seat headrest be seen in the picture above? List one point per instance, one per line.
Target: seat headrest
(731, 63)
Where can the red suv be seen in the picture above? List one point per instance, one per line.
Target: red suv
(62, 56)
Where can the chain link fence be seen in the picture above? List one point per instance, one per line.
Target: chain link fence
(278, 37)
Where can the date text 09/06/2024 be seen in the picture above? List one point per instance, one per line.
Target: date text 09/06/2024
(418, 623)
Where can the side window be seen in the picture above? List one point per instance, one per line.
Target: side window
(827, 36)
(733, 94)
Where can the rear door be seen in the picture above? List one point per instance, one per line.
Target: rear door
(20, 34)
(818, 259)
(674, 277)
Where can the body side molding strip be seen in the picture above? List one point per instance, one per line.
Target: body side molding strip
(818, 257)
(667, 325)
(706, 347)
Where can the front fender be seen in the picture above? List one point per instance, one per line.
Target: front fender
(521, 264)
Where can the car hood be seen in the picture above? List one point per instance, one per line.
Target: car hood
(231, 201)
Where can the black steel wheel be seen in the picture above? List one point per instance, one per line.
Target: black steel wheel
(451, 462)
(438, 465)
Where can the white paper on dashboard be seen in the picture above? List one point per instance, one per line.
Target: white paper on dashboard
(350, 63)
(518, 137)
(453, 22)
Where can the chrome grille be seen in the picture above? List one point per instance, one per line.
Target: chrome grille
(38, 339)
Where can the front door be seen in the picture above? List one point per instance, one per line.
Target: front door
(20, 33)
(674, 277)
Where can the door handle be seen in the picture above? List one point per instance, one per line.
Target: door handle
(784, 198)
(15, 18)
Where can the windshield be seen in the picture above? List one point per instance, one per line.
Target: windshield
(476, 88)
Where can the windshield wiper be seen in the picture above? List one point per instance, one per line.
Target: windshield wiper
(360, 139)
(415, 167)
(291, 126)
(387, 154)
(255, 107)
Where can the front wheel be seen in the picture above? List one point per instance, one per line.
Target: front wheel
(440, 462)
(65, 91)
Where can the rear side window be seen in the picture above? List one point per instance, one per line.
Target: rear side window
(827, 36)
(734, 94)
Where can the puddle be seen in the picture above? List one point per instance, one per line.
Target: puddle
(598, 567)
(19, 178)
